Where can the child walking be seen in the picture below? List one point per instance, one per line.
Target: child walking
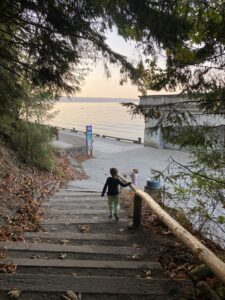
(134, 177)
(112, 184)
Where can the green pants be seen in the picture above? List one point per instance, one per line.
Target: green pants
(114, 204)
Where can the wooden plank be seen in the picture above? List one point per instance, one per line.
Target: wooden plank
(82, 205)
(80, 236)
(56, 217)
(93, 220)
(75, 192)
(66, 263)
(46, 247)
(60, 212)
(54, 212)
(74, 207)
(76, 195)
(92, 285)
(77, 200)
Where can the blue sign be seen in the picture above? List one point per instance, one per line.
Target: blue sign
(89, 138)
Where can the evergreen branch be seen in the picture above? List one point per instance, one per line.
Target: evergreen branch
(10, 70)
(196, 173)
(221, 228)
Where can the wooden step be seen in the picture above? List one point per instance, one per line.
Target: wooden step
(66, 263)
(47, 247)
(93, 220)
(99, 265)
(76, 195)
(78, 200)
(75, 209)
(92, 285)
(54, 211)
(102, 201)
(78, 236)
(78, 206)
(81, 191)
(112, 227)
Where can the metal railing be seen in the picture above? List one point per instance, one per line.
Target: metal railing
(216, 265)
(138, 141)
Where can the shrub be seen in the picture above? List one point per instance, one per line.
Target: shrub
(32, 143)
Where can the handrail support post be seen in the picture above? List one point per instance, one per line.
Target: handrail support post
(137, 211)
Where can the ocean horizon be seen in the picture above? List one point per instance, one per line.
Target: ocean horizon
(106, 115)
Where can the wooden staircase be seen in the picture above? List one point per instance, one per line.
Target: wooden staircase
(81, 250)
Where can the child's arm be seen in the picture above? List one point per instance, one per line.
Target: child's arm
(123, 184)
(104, 188)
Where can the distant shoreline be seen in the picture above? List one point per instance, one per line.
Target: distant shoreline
(95, 99)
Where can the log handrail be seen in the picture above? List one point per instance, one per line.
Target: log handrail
(216, 265)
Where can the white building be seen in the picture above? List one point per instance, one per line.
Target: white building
(156, 139)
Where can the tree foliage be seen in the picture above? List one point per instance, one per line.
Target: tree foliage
(195, 66)
(61, 37)
(48, 47)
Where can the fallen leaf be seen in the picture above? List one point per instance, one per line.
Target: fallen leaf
(166, 232)
(14, 293)
(70, 295)
(64, 241)
(2, 255)
(135, 256)
(62, 255)
(11, 268)
(35, 240)
(136, 246)
(148, 274)
(84, 228)
(35, 257)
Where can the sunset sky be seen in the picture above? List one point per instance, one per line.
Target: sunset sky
(96, 83)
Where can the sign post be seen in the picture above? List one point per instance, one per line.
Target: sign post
(89, 141)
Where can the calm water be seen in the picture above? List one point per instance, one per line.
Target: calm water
(109, 118)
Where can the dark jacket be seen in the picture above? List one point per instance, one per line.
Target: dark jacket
(112, 183)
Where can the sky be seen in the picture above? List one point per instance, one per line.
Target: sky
(96, 82)
(99, 86)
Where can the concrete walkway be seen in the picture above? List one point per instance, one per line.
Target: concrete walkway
(125, 156)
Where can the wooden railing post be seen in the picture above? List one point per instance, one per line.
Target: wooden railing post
(137, 211)
(57, 134)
